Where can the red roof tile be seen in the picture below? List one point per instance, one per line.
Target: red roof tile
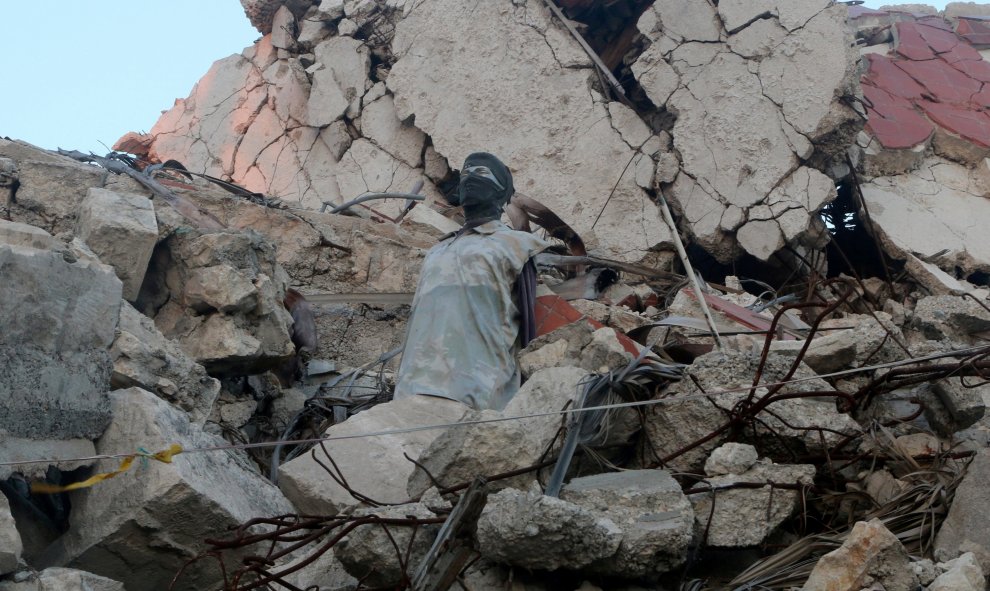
(884, 74)
(976, 31)
(910, 43)
(943, 82)
(893, 120)
(970, 124)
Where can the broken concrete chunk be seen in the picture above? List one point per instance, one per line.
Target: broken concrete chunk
(967, 526)
(965, 405)
(340, 80)
(746, 516)
(143, 357)
(219, 287)
(462, 454)
(375, 465)
(731, 458)
(58, 318)
(158, 515)
(381, 124)
(369, 552)
(62, 579)
(10, 539)
(531, 530)
(650, 510)
(670, 427)
(950, 316)
(283, 29)
(870, 555)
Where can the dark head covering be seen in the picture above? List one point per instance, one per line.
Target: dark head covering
(479, 196)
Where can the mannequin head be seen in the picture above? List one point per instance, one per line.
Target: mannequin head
(485, 187)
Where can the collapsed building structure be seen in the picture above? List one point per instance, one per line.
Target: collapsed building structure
(824, 427)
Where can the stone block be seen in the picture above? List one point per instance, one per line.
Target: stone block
(965, 405)
(10, 539)
(122, 230)
(967, 526)
(654, 516)
(158, 515)
(531, 530)
(58, 319)
(61, 579)
(870, 555)
(143, 357)
(51, 187)
(746, 516)
(461, 454)
(369, 554)
(375, 466)
(961, 574)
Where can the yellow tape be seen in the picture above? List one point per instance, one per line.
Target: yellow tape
(164, 456)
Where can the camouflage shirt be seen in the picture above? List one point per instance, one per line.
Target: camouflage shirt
(463, 333)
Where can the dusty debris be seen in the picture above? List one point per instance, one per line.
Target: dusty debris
(871, 555)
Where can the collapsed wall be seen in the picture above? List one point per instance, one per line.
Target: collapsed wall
(343, 98)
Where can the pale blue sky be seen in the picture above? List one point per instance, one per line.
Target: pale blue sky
(79, 72)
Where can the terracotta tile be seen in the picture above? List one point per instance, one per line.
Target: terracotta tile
(970, 124)
(910, 43)
(884, 74)
(945, 83)
(977, 70)
(938, 39)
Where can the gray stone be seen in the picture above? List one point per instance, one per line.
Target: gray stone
(225, 300)
(746, 516)
(10, 539)
(158, 515)
(671, 426)
(50, 188)
(381, 125)
(284, 29)
(731, 458)
(121, 229)
(461, 454)
(961, 574)
(325, 573)
(62, 579)
(948, 316)
(375, 466)
(652, 513)
(870, 555)
(143, 357)
(59, 316)
(967, 526)
(369, 554)
(965, 405)
(531, 530)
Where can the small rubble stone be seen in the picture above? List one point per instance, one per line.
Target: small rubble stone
(62, 579)
(654, 516)
(369, 554)
(731, 458)
(531, 530)
(746, 516)
(143, 357)
(961, 574)
(10, 539)
(158, 515)
(375, 466)
(461, 454)
(871, 555)
(948, 316)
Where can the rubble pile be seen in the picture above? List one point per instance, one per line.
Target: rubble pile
(200, 333)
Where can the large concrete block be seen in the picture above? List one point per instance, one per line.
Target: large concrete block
(375, 466)
(142, 526)
(10, 539)
(62, 579)
(58, 316)
(121, 229)
(143, 357)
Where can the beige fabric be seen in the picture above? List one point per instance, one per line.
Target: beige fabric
(463, 332)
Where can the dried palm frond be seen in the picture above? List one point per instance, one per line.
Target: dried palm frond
(522, 210)
(914, 516)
